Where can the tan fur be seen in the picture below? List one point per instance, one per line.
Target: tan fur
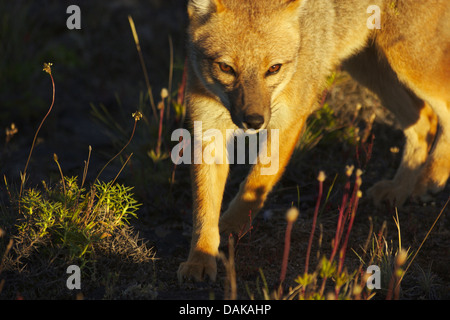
(233, 44)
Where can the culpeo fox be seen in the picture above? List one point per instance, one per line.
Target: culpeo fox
(260, 64)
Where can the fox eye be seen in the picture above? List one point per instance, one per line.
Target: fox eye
(274, 69)
(226, 68)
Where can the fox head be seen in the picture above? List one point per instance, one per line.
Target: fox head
(245, 52)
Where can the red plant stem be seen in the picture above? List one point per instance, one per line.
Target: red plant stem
(179, 155)
(182, 87)
(391, 286)
(354, 208)
(244, 229)
(341, 220)
(311, 236)
(287, 246)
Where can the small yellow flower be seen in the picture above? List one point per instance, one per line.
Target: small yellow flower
(48, 67)
(292, 214)
(321, 176)
(401, 257)
(137, 116)
(164, 93)
(349, 170)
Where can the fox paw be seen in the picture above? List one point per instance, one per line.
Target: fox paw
(198, 268)
(389, 191)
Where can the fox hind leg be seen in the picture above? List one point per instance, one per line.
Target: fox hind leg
(416, 117)
(419, 139)
(436, 171)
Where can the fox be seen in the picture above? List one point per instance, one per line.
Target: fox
(262, 64)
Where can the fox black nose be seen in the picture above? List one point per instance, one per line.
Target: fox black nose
(253, 121)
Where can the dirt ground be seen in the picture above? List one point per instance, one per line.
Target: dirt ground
(99, 65)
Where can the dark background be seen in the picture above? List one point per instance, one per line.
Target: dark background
(99, 66)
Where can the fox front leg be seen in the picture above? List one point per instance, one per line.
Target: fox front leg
(208, 183)
(261, 179)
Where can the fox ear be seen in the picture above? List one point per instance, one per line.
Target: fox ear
(204, 7)
(295, 4)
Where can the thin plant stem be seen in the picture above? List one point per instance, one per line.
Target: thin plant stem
(86, 166)
(137, 116)
(160, 127)
(144, 68)
(425, 239)
(354, 204)
(287, 246)
(55, 158)
(169, 99)
(231, 286)
(291, 216)
(340, 227)
(121, 169)
(321, 178)
(47, 68)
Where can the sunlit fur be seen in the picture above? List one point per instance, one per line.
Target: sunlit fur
(406, 62)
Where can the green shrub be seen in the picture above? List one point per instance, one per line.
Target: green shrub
(75, 218)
